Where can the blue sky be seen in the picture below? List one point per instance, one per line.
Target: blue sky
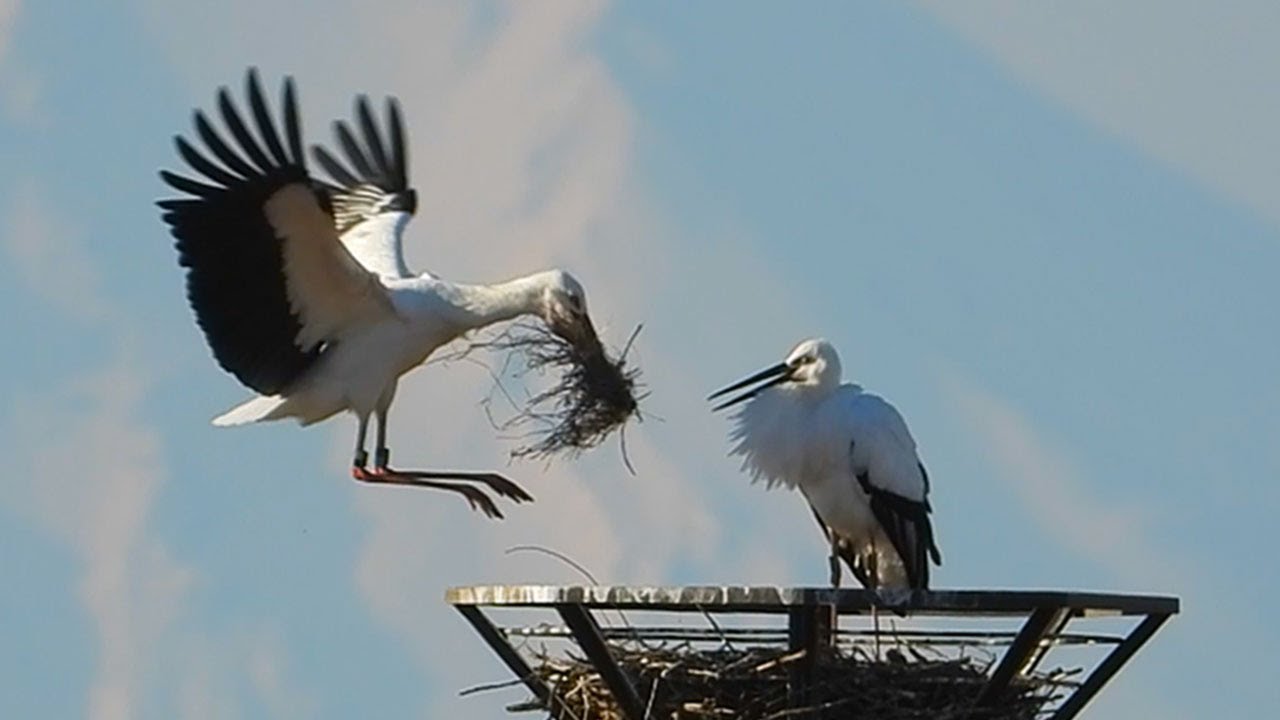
(1047, 232)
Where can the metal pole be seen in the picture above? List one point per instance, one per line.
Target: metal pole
(1022, 652)
(498, 642)
(1109, 666)
(809, 629)
(587, 633)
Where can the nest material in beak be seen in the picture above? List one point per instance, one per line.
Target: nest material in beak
(593, 396)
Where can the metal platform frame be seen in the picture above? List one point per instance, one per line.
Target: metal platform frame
(811, 613)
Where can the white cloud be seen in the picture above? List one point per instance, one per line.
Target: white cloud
(89, 470)
(1057, 494)
(1191, 83)
(8, 18)
(521, 152)
(44, 250)
(269, 674)
(524, 166)
(20, 88)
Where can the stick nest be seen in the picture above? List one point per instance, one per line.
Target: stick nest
(592, 396)
(752, 684)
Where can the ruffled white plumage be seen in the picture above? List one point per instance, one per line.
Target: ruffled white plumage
(839, 445)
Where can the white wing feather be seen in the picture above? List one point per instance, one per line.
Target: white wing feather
(883, 447)
(328, 289)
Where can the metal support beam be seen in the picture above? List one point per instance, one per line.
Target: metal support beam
(1109, 666)
(498, 642)
(1053, 632)
(809, 629)
(1024, 652)
(587, 633)
(812, 615)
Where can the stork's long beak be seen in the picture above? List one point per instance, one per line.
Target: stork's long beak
(779, 373)
(577, 329)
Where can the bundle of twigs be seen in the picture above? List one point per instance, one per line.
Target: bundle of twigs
(685, 683)
(592, 395)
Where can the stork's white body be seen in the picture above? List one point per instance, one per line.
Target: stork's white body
(361, 370)
(807, 431)
(801, 437)
(300, 285)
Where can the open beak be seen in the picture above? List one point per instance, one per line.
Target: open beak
(779, 373)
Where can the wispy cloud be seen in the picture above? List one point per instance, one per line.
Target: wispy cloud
(43, 248)
(270, 676)
(1187, 82)
(522, 153)
(90, 470)
(8, 18)
(90, 466)
(1056, 493)
(525, 165)
(19, 87)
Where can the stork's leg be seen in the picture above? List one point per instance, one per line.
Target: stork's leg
(381, 453)
(834, 561)
(383, 473)
(873, 571)
(361, 458)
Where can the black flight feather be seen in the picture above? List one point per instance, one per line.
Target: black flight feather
(374, 176)
(906, 523)
(399, 151)
(373, 139)
(211, 140)
(353, 151)
(233, 256)
(203, 164)
(262, 116)
(243, 137)
(293, 125)
(187, 185)
(334, 168)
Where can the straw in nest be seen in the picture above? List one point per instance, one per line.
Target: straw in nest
(752, 684)
(593, 394)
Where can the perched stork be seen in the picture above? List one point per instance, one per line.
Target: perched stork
(300, 285)
(850, 454)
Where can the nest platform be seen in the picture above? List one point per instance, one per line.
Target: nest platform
(775, 653)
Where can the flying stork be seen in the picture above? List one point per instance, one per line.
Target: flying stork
(850, 454)
(300, 285)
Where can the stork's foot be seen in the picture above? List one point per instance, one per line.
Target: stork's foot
(474, 496)
(834, 563)
(495, 482)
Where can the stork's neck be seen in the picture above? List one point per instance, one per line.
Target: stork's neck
(478, 306)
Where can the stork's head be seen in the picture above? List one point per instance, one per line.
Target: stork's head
(813, 363)
(563, 308)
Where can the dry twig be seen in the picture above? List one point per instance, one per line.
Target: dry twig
(684, 683)
(592, 396)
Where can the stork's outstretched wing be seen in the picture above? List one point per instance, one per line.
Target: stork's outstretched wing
(267, 276)
(885, 464)
(372, 201)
